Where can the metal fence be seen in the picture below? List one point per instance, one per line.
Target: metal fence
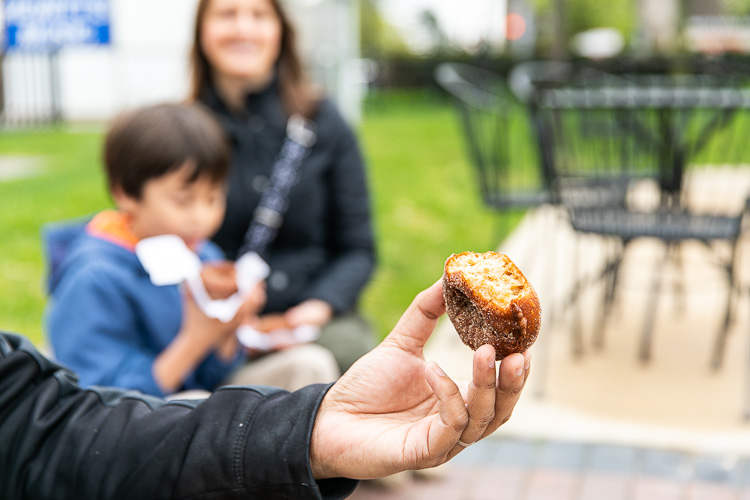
(31, 97)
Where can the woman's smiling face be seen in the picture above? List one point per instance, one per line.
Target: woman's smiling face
(241, 39)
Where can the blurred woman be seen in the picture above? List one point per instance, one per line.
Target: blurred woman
(246, 68)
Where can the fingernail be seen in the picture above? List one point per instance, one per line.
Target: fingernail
(519, 370)
(491, 362)
(438, 370)
(528, 360)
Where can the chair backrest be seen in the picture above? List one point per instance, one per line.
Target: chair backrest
(527, 77)
(498, 136)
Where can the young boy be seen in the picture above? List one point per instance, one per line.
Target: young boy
(166, 167)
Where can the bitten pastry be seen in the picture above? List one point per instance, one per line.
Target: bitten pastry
(220, 279)
(489, 301)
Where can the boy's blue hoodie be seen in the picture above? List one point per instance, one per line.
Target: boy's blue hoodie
(105, 319)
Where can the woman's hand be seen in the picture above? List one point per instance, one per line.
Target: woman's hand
(392, 411)
(310, 312)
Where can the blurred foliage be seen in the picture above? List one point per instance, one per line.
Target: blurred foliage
(582, 15)
(381, 40)
(440, 42)
(736, 7)
(378, 38)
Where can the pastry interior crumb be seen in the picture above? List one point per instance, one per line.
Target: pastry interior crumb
(495, 279)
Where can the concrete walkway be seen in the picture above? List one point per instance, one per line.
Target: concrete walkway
(606, 425)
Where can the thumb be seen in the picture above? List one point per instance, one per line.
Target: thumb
(419, 321)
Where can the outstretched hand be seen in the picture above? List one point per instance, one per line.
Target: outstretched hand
(392, 411)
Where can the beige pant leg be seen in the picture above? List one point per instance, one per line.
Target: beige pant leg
(290, 369)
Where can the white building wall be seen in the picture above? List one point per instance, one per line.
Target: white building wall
(329, 43)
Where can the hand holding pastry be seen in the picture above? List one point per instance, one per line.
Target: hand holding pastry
(419, 416)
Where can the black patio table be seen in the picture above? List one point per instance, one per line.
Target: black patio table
(670, 100)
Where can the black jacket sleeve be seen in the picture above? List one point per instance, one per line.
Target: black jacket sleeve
(60, 441)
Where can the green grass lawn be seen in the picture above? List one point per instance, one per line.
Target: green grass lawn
(70, 184)
(425, 202)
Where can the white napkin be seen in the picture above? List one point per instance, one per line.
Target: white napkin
(252, 338)
(169, 261)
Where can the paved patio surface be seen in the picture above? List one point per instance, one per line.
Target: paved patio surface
(522, 469)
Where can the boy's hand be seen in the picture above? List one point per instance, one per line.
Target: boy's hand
(199, 335)
(204, 332)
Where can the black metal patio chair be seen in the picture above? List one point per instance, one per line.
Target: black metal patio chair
(498, 136)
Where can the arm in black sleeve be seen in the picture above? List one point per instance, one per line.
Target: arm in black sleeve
(351, 241)
(60, 441)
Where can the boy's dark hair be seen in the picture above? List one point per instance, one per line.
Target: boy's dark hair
(150, 142)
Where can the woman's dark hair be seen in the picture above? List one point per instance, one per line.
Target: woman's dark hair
(297, 94)
(150, 142)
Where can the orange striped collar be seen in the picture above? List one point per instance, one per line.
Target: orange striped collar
(112, 226)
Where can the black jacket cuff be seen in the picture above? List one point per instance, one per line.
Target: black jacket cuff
(277, 460)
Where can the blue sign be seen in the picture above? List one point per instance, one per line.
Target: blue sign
(45, 25)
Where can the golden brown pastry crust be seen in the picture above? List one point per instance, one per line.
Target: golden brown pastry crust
(490, 301)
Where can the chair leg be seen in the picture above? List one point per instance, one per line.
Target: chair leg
(648, 327)
(721, 339)
(612, 273)
(678, 285)
(597, 334)
(576, 324)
